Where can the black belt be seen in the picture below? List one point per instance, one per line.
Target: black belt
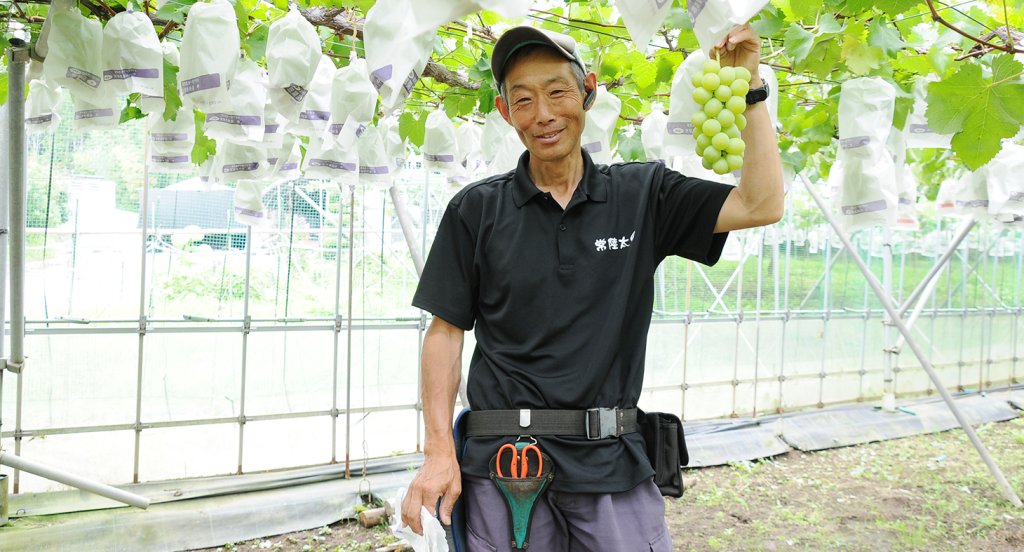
(593, 423)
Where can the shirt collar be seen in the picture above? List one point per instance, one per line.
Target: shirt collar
(594, 184)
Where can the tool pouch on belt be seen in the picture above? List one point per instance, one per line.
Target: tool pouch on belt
(666, 449)
(521, 493)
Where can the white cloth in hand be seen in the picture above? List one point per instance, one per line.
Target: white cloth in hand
(432, 539)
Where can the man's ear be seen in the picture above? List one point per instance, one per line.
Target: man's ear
(590, 88)
(502, 107)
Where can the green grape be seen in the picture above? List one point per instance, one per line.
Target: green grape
(741, 122)
(713, 107)
(740, 87)
(711, 127)
(720, 167)
(703, 142)
(696, 78)
(742, 73)
(711, 153)
(727, 75)
(734, 161)
(723, 93)
(726, 117)
(701, 96)
(720, 141)
(698, 119)
(736, 146)
(736, 104)
(705, 163)
(711, 66)
(710, 82)
(732, 132)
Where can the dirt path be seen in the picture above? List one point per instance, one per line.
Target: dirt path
(927, 493)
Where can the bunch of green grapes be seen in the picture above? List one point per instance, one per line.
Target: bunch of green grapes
(722, 94)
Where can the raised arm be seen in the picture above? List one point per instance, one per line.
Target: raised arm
(758, 200)
(439, 476)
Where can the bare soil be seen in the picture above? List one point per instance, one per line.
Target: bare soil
(923, 493)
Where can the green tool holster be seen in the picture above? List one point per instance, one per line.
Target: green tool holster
(521, 494)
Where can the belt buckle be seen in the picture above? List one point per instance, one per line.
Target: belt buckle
(607, 423)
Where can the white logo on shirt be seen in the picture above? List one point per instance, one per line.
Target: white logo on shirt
(613, 243)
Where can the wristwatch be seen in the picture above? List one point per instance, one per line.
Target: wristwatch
(757, 95)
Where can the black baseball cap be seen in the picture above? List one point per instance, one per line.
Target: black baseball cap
(517, 37)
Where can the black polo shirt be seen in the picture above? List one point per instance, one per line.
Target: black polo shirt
(562, 300)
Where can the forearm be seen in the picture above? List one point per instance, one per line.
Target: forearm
(441, 372)
(760, 188)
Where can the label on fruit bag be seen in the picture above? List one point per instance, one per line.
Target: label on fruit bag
(868, 207)
(694, 7)
(855, 142)
(680, 128)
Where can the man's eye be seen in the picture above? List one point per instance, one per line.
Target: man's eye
(522, 101)
(557, 92)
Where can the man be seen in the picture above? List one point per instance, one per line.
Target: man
(553, 263)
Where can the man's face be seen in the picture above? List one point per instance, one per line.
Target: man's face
(545, 105)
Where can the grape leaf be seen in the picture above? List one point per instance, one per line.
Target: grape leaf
(798, 43)
(631, 148)
(412, 128)
(882, 35)
(977, 110)
(204, 147)
(860, 58)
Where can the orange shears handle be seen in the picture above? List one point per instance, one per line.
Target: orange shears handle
(525, 471)
(520, 462)
(515, 459)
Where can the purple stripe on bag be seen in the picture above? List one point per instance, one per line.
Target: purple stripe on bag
(680, 128)
(855, 142)
(1017, 196)
(335, 129)
(331, 164)
(290, 166)
(313, 115)
(240, 167)
(363, 169)
(869, 207)
(93, 113)
(271, 129)
(231, 119)
(972, 203)
(83, 76)
(410, 81)
(202, 82)
(273, 160)
(380, 76)
(296, 92)
(439, 158)
(248, 212)
(169, 137)
(593, 147)
(122, 74)
(920, 128)
(906, 201)
(169, 159)
(694, 7)
(39, 120)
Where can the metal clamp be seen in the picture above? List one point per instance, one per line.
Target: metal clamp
(607, 423)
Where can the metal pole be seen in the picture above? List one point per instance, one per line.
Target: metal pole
(408, 229)
(961, 233)
(888, 387)
(73, 480)
(17, 62)
(351, 286)
(246, 328)
(337, 331)
(144, 206)
(4, 229)
(1008, 491)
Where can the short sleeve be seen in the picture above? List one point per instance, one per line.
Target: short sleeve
(448, 287)
(686, 211)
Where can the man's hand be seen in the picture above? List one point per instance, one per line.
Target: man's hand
(438, 477)
(741, 47)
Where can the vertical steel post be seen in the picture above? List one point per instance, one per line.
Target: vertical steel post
(348, 361)
(17, 63)
(1008, 491)
(4, 229)
(888, 356)
(337, 331)
(246, 328)
(144, 207)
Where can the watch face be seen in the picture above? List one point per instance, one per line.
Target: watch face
(757, 95)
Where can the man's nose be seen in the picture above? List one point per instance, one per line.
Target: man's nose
(545, 110)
